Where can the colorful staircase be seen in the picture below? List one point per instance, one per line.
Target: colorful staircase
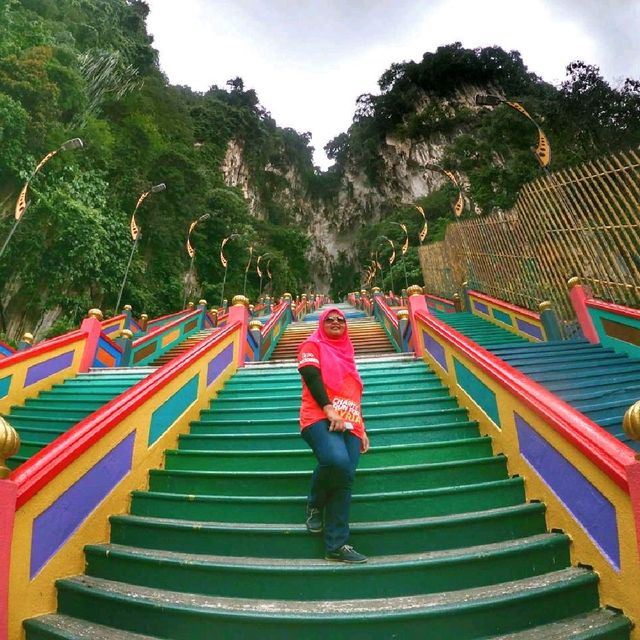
(216, 547)
(598, 382)
(367, 335)
(179, 349)
(42, 419)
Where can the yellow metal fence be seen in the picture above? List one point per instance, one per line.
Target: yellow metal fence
(583, 221)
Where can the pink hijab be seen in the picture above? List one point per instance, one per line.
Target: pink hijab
(336, 354)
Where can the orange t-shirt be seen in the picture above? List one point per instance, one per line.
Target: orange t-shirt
(346, 400)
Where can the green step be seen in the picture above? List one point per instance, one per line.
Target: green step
(382, 577)
(49, 412)
(292, 440)
(292, 483)
(413, 418)
(375, 507)
(290, 460)
(295, 383)
(414, 535)
(292, 410)
(259, 401)
(464, 615)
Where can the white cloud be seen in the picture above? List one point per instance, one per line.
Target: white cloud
(308, 61)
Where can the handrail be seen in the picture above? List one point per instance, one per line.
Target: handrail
(505, 305)
(50, 461)
(43, 347)
(276, 314)
(169, 315)
(601, 448)
(439, 299)
(384, 307)
(150, 335)
(611, 307)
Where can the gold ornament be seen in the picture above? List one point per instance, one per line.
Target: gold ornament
(255, 324)
(9, 445)
(544, 306)
(240, 301)
(631, 421)
(95, 313)
(126, 334)
(403, 314)
(28, 338)
(574, 282)
(415, 290)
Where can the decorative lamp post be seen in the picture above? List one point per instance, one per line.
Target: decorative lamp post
(542, 151)
(392, 259)
(458, 206)
(425, 227)
(192, 254)
(405, 248)
(258, 271)
(135, 234)
(246, 271)
(22, 204)
(225, 263)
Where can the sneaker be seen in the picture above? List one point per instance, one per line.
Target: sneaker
(314, 520)
(346, 553)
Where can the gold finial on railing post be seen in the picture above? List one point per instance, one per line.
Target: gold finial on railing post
(631, 421)
(415, 290)
(240, 301)
(144, 321)
(26, 342)
(127, 307)
(95, 313)
(457, 302)
(573, 282)
(9, 445)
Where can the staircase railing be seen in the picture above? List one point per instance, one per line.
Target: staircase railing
(616, 326)
(589, 480)
(164, 337)
(25, 373)
(436, 303)
(273, 329)
(6, 350)
(518, 320)
(88, 473)
(389, 321)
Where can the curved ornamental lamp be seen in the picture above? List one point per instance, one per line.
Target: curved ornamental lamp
(542, 150)
(22, 203)
(192, 254)
(135, 234)
(225, 262)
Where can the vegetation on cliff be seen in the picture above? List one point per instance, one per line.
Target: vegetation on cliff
(87, 68)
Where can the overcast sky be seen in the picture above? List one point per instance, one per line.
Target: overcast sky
(309, 60)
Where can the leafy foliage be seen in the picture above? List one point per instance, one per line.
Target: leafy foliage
(86, 68)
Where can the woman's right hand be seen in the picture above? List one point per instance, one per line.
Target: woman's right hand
(336, 423)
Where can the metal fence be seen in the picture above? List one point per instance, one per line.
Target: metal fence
(583, 221)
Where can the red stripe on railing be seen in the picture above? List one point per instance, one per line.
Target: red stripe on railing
(165, 327)
(275, 316)
(506, 305)
(43, 347)
(384, 307)
(34, 474)
(618, 309)
(169, 315)
(606, 452)
(430, 296)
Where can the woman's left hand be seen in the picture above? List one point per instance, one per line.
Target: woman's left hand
(364, 445)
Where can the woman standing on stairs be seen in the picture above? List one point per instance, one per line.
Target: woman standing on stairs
(331, 424)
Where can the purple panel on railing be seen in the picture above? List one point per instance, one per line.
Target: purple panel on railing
(54, 526)
(43, 370)
(590, 508)
(219, 363)
(481, 307)
(529, 329)
(111, 329)
(435, 349)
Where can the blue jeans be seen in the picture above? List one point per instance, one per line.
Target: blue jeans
(337, 453)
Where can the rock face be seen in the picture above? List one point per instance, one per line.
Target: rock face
(334, 225)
